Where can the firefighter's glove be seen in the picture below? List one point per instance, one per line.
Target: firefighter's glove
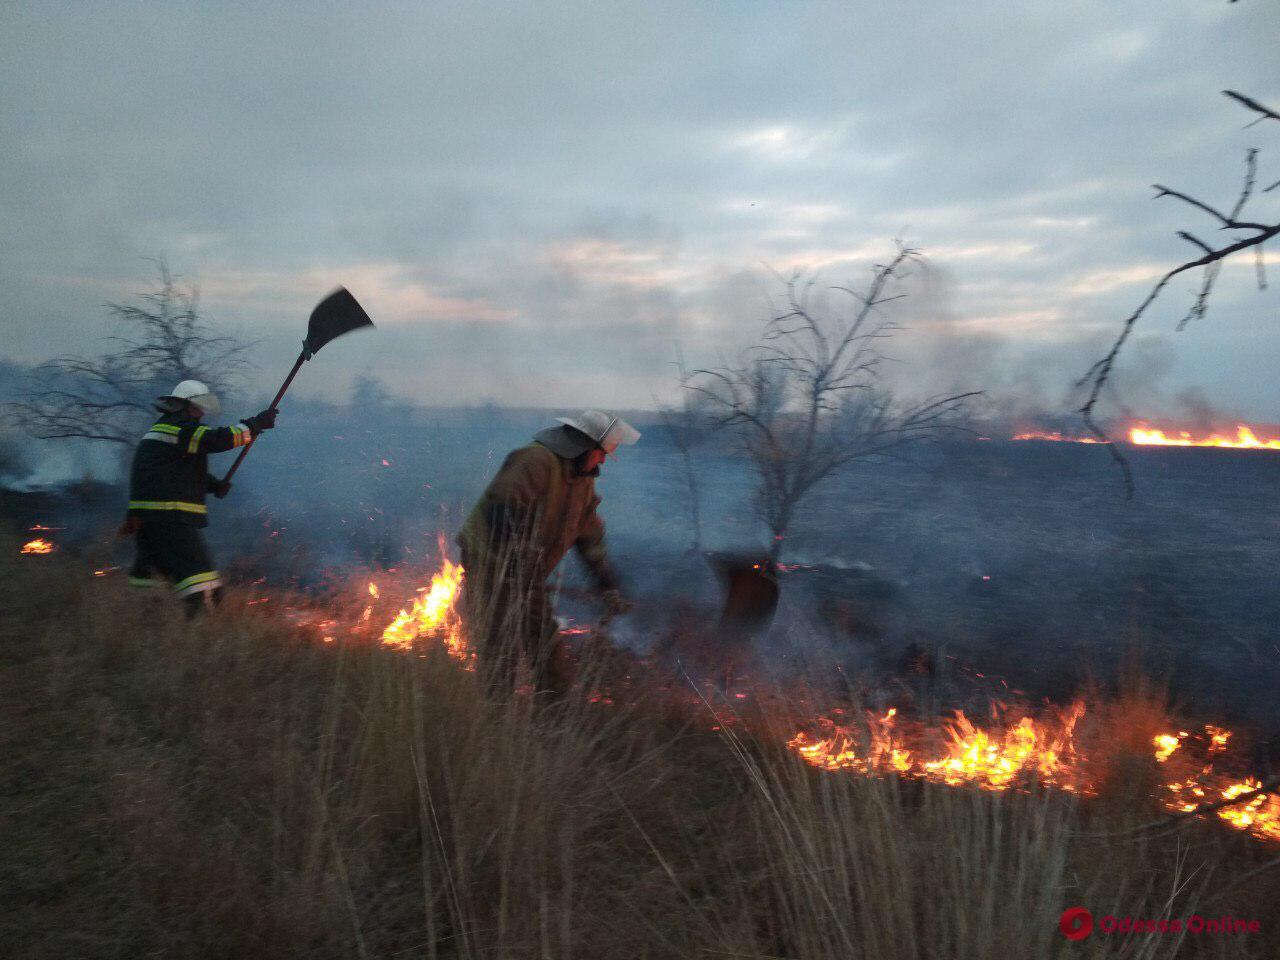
(129, 528)
(219, 488)
(262, 421)
(615, 604)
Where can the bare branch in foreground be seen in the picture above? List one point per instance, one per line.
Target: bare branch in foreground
(1211, 260)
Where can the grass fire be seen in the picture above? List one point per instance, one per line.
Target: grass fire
(312, 762)
(1143, 435)
(538, 481)
(779, 749)
(431, 614)
(1012, 750)
(602, 789)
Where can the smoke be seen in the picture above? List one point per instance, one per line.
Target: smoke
(14, 462)
(1028, 365)
(1196, 408)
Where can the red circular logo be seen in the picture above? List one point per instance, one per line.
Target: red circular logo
(1076, 923)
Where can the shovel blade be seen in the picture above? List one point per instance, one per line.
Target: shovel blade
(336, 314)
(751, 591)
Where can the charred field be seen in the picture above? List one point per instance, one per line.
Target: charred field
(1021, 561)
(244, 788)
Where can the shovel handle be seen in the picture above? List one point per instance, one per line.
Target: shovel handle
(302, 358)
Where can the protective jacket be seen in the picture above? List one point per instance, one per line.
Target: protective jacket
(533, 511)
(170, 474)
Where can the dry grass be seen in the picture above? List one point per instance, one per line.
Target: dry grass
(228, 790)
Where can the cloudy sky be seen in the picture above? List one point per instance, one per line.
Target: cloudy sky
(537, 201)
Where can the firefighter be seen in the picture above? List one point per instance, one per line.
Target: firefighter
(167, 488)
(541, 502)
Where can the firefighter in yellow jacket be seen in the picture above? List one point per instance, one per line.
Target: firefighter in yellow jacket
(541, 502)
(167, 487)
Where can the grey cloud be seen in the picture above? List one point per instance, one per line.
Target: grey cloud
(542, 201)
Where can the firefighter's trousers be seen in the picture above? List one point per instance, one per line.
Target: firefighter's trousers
(508, 617)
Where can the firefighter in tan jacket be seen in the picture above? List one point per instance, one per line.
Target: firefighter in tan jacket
(541, 502)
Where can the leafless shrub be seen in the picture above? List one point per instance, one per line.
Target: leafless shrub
(811, 397)
(104, 397)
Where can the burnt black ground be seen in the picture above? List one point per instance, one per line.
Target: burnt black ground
(1022, 562)
(1181, 578)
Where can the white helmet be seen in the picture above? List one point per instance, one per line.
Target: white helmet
(197, 394)
(606, 430)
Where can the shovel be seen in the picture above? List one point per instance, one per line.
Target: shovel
(749, 579)
(336, 314)
(751, 591)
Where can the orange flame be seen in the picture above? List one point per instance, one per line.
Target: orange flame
(433, 613)
(1245, 439)
(1142, 435)
(1165, 744)
(991, 760)
(1259, 815)
(1057, 437)
(1014, 753)
(38, 545)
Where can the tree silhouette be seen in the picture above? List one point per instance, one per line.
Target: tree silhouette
(810, 398)
(105, 397)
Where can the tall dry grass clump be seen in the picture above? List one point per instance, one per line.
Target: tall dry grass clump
(233, 787)
(859, 867)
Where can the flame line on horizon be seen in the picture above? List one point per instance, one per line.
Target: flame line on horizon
(1143, 435)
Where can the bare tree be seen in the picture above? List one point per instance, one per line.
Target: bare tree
(811, 398)
(104, 397)
(1244, 234)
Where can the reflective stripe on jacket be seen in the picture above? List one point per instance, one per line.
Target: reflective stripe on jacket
(170, 474)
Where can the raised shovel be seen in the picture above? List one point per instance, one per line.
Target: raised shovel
(336, 314)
